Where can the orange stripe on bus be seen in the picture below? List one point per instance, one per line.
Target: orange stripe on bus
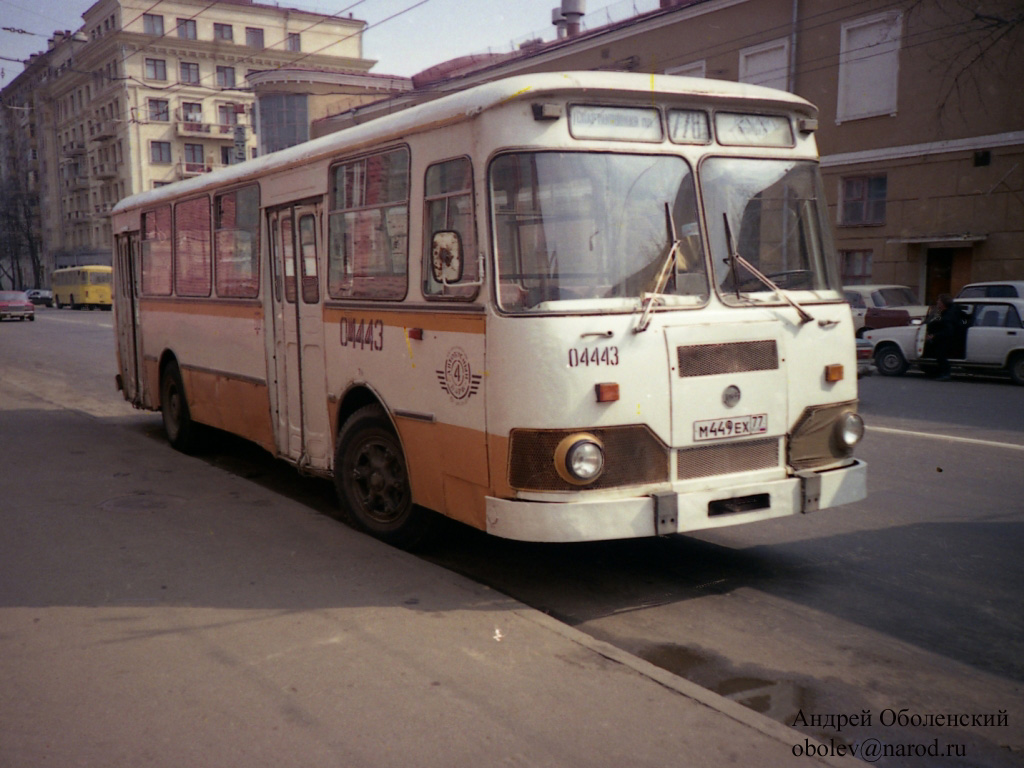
(205, 307)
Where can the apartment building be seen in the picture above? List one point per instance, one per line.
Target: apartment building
(921, 128)
(145, 94)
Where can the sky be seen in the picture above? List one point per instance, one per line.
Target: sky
(419, 34)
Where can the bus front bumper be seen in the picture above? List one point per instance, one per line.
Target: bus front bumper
(668, 513)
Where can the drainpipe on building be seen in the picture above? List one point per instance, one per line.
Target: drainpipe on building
(792, 47)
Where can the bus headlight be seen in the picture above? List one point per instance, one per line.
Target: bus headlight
(824, 435)
(579, 458)
(849, 429)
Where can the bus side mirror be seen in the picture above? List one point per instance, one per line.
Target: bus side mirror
(446, 257)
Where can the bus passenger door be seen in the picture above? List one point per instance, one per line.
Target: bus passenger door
(302, 423)
(125, 310)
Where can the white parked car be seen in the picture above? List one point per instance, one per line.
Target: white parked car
(991, 340)
(862, 298)
(996, 289)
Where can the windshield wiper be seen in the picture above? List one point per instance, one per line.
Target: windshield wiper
(648, 299)
(734, 258)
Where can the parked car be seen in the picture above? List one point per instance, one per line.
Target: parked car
(865, 360)
(40, 296)
(873, 306)
(15, 304)
(990, 340)
(1005, 289)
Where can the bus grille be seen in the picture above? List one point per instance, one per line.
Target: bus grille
(633, 456)
(711, 359)
(726, 458)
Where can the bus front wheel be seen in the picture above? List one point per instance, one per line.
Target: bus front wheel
(182, 432)
(372, 481)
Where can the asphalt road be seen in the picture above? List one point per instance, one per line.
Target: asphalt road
(910, 601)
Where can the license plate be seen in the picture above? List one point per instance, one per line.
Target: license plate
(718, 429)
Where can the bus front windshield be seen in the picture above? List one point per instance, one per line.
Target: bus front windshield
(579, 231)
(770, 214)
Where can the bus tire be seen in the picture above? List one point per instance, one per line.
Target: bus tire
(372, 481)
(890, 360)
(182, 433)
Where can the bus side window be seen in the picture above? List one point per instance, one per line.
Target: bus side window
(192, 263)
(307, 254)
(448, 206)
(237, 228)
(368, 229)
(156, 252)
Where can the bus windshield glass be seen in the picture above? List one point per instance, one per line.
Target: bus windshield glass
(769, 213)
(579, 232)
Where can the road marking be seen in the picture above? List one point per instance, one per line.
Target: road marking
(81, 321)
(950, 438)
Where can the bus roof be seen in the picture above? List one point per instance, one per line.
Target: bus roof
(465, 105)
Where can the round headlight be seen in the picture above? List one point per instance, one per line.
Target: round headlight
(849, 429)
(579, 459)
(585, 460)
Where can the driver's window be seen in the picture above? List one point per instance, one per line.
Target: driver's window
(448, 207)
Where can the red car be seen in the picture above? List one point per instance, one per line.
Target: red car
(16, 304)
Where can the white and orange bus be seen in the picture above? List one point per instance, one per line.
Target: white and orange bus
(557, 307)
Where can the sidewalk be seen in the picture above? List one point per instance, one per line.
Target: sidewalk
(156, 610)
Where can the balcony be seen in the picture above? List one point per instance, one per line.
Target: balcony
(73, 149)
(188, 170)
(193, 129)
(104, 130)
(106, 171)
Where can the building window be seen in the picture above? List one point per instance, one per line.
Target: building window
(156, 69)
(863, 200)
(856, 266)
(223, 32)
(292, 43)
(254, 37)
(187, 29)
(190, 72)
(226, 115)
(194, 155)
(282, 121)
(160, 152)
(153, 24)
(159, 111)
(225, 77)
(192, 112)
(869, 59)
(766, 64)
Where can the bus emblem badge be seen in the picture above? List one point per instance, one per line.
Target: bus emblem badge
(457, 378)
(731, 396)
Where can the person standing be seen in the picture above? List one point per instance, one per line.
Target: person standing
(942, 328)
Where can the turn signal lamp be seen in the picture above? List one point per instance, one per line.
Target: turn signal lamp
(607, 392)
(833, 373)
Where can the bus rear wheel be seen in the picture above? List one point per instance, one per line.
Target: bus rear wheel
(182, 433)
(372, 481)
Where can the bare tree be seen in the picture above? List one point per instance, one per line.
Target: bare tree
(979, 49)
(20, 249)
